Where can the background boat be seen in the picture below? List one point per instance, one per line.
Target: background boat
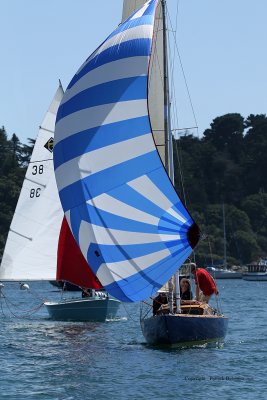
(256, 271)
(223, 273)
(73, 268)
(31, 245)
(40, 245)
(98, 308)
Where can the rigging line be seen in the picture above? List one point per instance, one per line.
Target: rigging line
(155, 58)
(36, 183)
(23, 314)
(185, 129)
(172, 72)
(36, 295)
(1, 303)
(16, 305)
(183, 73)
(173, 31)
(179, 159)
(20, 234)
(233, 232)
(217, 298)
(174, 114)
(144, 312)
(211, 257)
(129, 315)
(47, 159)
(47, 130)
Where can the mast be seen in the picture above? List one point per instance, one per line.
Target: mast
(168, 144)
(159, 101)
(224, 241)
(167, 125)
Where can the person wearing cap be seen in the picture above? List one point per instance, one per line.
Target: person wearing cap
(205, 284)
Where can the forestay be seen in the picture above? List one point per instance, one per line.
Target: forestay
(120, 204)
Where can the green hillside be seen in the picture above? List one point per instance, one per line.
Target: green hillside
(227, 165)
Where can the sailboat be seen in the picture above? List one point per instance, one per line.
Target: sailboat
(72, 267)
(31, 246)
(256, 271)
(114, 173)
(223, 272)
(40, 245)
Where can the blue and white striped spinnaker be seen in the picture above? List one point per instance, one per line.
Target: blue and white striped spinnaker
(119, 202)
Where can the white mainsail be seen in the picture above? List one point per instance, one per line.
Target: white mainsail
(129, 6)
(31, 247)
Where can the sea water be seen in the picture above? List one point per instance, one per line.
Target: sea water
(45, 359)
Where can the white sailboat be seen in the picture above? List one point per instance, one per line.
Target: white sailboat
(31, 246)
(38, 231)
(223, 272)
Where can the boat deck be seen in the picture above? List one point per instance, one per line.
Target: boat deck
(189, 309)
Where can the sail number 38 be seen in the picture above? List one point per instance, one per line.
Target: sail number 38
(37, 169)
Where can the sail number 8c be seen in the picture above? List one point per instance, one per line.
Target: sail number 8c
(35, 192)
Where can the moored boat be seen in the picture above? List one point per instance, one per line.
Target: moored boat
(224, 273)
(256, 272)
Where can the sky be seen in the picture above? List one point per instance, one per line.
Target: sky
(222, 45)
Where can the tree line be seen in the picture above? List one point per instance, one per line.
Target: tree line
(225, 166)
(14, 158)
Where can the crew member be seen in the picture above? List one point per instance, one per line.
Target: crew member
(205, 284)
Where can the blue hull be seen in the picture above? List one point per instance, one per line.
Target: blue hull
(91, 310)
(178, 329)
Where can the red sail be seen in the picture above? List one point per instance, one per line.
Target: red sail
(71, 264)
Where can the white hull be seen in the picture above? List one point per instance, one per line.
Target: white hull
(255, 276)
(228, 275)
(223, 273)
